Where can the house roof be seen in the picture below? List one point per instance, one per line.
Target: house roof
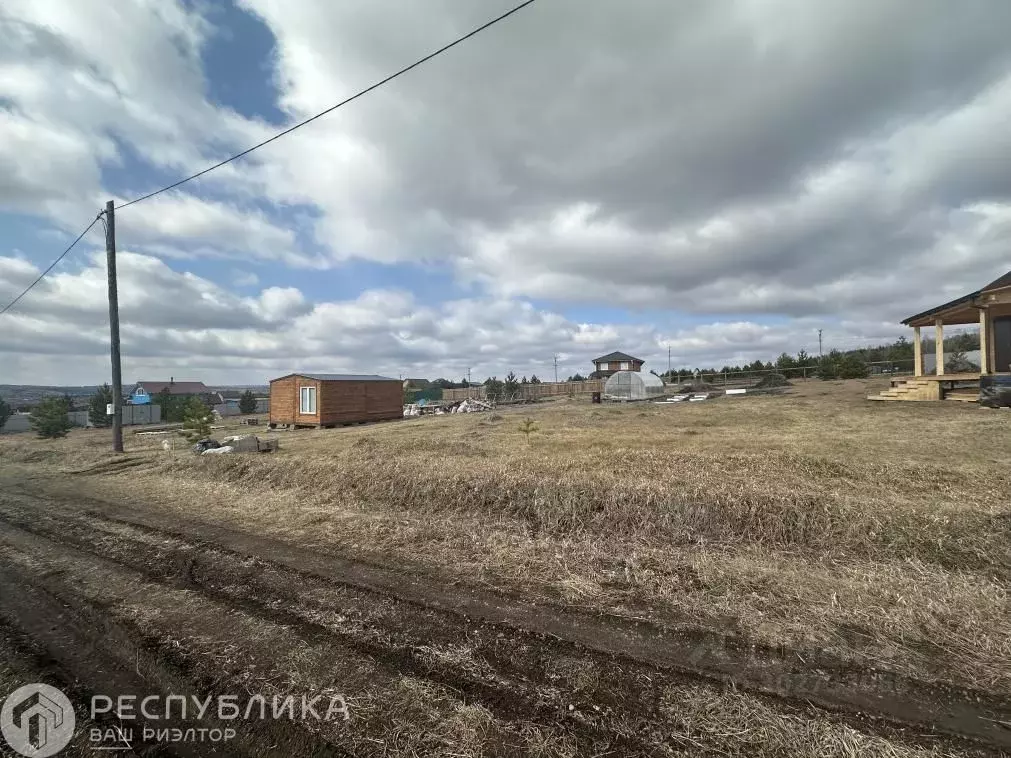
(340, 377)
(617, 356)
(966, 300)
(174, 388)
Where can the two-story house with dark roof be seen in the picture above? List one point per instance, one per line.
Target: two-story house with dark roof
(608, 364)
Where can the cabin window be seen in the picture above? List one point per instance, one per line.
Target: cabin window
(308, 400)
(624, 366)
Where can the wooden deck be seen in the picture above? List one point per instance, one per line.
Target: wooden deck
(962, 387)
(968, 376)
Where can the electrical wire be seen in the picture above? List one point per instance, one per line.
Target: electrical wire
(42, 276)
(332, 108)
(277, 136)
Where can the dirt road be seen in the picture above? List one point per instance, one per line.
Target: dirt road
(108, 598)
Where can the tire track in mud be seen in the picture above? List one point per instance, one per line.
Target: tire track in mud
(508, 699)
(86, 653)
(549, 629)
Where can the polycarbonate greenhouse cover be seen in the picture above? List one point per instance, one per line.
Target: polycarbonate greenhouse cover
(633, 385)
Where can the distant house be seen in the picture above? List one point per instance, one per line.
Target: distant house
(608, 364)
(145, 392)
(323, 400)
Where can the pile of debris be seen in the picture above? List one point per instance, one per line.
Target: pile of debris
(248, 443)
(471, 405)
(468, 405)
(687, 397)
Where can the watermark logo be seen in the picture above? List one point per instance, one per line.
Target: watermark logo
(37, 720)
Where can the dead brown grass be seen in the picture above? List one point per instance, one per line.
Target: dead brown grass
(879, 532)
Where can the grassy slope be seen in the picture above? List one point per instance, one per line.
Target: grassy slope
(879, 532)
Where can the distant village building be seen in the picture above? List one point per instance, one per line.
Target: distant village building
(611, 363)
(146, 392)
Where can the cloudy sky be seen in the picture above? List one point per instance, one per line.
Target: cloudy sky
(721, 177)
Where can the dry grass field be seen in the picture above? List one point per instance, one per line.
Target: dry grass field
(762, 540)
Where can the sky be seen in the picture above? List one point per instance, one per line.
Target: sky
(716, 180)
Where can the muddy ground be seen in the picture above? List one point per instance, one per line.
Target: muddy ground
(101, 597)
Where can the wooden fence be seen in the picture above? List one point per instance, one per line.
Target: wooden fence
(531, 391)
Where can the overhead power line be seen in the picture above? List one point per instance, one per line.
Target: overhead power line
(332, 108)
(42, 276)
(277, 136)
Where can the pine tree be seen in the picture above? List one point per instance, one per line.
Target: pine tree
(828, 366)
(5, 412)
(511, 386)
(494, 389)
(852, 366)
(247, 402)
(97, 406)
(196, 420)
(173, 407)
(527, 426)
(50, 418)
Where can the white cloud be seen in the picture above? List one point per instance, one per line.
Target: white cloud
(180, 323)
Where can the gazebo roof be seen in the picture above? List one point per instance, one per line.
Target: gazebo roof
(961, 310)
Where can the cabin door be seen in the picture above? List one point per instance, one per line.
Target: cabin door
(1002, 344)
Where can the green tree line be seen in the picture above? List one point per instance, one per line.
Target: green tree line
(844, 364)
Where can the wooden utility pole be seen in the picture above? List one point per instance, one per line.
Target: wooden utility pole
(117, 376)
(555, 357)
(819, 343)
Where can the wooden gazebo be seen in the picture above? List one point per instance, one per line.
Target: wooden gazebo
(990, 307)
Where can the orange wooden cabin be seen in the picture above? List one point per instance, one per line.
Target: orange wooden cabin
(325, 400)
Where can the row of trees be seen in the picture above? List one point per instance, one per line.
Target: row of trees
(848, 364)
(446, 384)
(496, 389)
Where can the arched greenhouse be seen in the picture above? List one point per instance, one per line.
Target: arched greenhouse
(633, 385)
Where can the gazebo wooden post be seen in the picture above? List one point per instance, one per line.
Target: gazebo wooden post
(917, 352)
(984, 354)
(939, 346)
(991, 345)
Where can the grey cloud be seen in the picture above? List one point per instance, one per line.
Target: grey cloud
(664, 118)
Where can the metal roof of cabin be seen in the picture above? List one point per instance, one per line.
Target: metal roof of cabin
(340, 377)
